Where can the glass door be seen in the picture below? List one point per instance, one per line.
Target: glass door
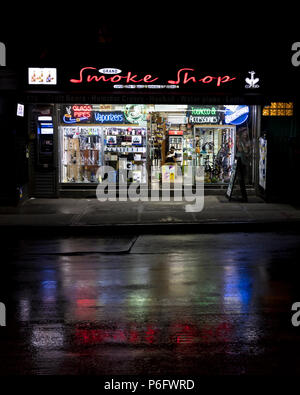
(215, 151)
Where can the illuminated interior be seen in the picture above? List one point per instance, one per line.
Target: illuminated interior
(157, 141)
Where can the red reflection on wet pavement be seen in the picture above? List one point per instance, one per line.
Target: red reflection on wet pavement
(184, 333)
(176, 333)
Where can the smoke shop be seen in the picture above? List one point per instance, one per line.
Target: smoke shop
(145, 127)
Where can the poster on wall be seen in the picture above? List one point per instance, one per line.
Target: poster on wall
(20, 110)
(262, 167)
(42, 76)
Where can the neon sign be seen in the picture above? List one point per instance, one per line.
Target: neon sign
(135, 113)
(202, 120)
(82, 111)
(204, 111)
(80, 114)
(77, 113)
(109, 117)
(129, 78)
(183, 77)
(204, 114)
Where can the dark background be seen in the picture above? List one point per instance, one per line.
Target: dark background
(212, 36)
(229, 38)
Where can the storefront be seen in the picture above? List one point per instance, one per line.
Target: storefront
(152, 142)
(140, 132)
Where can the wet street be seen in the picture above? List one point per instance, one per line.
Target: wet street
(208, 304)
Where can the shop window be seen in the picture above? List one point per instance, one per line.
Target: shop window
(279, 109)
(157, 143)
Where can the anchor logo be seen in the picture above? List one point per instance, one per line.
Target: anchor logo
(252, 82)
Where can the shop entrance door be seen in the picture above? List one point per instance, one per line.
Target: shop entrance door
(215, 150)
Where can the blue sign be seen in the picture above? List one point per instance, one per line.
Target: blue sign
(236, 115)
(109, 117)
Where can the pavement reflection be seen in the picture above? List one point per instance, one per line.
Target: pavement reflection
(219, 309)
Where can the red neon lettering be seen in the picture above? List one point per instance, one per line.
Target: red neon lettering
(182, 77)
(207, 79)
(82, 108)
(130, 78)
(116, 78)
(80, 75)
(185, 80)
(222, 80)
(148, 77)
(90, 78)
(79, 114)
(185, 77)
(82, 111)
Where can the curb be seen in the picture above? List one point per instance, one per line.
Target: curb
(166, 228)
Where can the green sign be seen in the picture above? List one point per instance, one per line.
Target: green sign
(203, 111)
(204, 114)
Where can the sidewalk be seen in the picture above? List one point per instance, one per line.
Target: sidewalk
(90, 215)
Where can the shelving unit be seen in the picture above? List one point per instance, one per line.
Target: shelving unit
(125, 147)
(82, 153)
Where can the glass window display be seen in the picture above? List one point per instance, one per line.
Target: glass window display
(82, 153)
(181, 136)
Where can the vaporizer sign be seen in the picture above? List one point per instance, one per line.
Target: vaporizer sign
(109, 117)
